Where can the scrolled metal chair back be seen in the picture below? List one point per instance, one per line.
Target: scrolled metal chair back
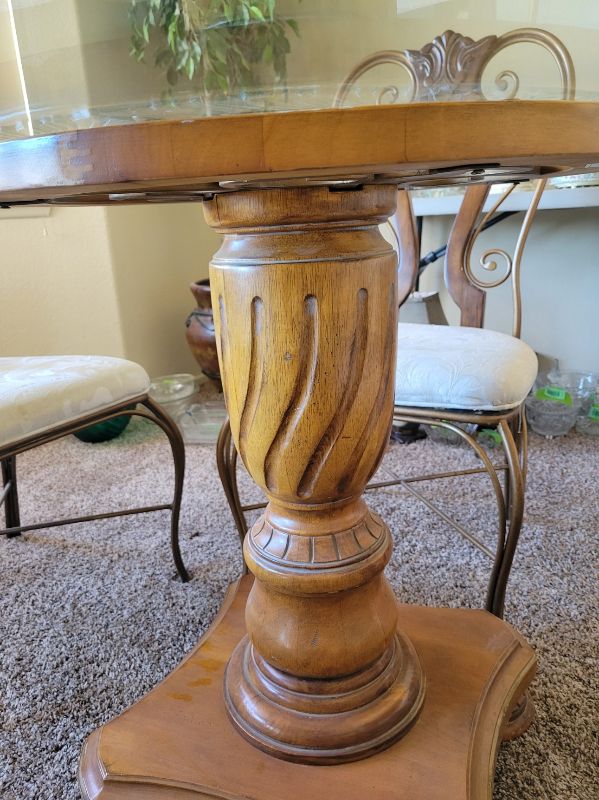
(451, 68)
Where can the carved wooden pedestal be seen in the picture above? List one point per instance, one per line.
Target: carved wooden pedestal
(322, 670)
(305, 302)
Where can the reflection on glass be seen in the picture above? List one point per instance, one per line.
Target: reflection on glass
(68, 64)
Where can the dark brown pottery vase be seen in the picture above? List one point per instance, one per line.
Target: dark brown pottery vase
(200, 330)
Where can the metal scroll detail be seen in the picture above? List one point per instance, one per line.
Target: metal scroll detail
(486, 261)
(512, 264)
(451, 67)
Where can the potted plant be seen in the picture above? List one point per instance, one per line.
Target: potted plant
(221, 45)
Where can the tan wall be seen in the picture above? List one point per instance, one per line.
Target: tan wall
(110, 281)
(156, 252)
(57, 291)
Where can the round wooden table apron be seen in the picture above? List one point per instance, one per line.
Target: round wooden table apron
(312, 671)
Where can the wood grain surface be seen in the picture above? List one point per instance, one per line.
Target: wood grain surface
(305, 298)
(388, 143)
(178, 744)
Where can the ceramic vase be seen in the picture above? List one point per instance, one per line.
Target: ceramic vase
(200, 330)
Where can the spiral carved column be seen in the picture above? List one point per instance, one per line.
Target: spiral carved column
(305, 301)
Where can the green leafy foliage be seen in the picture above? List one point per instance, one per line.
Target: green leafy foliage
(220, 43)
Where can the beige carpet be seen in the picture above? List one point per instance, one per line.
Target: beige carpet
(93, 616)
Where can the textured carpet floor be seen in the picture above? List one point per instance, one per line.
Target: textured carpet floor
(93, 615)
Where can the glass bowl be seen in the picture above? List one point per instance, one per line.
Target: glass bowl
(169, 388)
(550, 418)
(589, 423)
(557, 399)
(201, 422)
(489, 438)
(580, 385)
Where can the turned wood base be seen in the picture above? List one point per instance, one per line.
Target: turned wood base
(305, 297)
(333, 721)
(178, 742)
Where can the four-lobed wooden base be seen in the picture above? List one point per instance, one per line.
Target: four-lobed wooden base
(177, 743)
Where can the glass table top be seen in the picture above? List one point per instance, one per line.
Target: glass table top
(78, 64)
(84, 65)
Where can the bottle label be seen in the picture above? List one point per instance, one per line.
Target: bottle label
(555, 394)
(594, 412)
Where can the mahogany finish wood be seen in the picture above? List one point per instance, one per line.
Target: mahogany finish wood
(305, 298)
(400, 142)
(178, 744)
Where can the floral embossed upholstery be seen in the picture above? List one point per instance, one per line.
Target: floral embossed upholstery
(440, 366)
(38, 393)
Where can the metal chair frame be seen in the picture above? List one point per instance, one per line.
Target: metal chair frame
(151, 411)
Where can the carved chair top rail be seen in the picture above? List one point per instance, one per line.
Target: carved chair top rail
(451, 67)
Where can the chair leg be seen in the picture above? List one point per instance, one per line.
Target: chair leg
(11, 499)
(515, 517)
(522, 444)
(514, 439)
(178, 450)
(226, 460)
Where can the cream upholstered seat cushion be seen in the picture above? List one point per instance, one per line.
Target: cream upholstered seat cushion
(38, 393)
(441, 366)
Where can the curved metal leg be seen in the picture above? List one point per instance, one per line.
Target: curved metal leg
(226, 460)
(502, 498)
(514, 439)
(522, 444)
(11, 497)
(152, 412)
(515, 516)
(178, 449)
(523, 714)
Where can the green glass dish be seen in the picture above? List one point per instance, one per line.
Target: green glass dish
(104, 431)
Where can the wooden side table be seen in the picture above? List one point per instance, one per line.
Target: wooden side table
(313, 679)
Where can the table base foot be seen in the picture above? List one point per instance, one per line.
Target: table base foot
(178, 743)
(324, 721)
(521, 718)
